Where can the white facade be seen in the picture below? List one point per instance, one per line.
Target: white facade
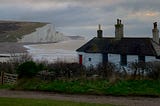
(8, 57)
(93, 59)
(115, 58)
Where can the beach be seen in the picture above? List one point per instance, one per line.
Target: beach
(64, 51)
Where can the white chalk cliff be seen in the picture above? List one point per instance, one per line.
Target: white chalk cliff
(46, 33)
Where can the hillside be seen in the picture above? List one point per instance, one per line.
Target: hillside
(11, 31)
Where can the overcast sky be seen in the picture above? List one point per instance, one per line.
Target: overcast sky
(81, 17)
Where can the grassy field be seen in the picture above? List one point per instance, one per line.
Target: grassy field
(11, 34)
(42, 102)
(100, 87)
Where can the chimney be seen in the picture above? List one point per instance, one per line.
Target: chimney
(118, 30)
(155, 33)
(99, 32)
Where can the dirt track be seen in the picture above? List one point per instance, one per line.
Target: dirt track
(127, 101)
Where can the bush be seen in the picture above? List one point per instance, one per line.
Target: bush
(154, 72)
(12, 64)
(145, 70)
(66, 70)
(106, 70)
(139, 69)
(27, 69)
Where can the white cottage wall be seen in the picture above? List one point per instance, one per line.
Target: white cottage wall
(132, 58)
(151, 59)
(91, 59)
(114, 58)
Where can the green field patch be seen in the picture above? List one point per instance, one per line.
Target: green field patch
(43, 102)
(98, 87)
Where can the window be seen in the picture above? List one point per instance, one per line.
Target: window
(123, 59)
(89, 59)
(141, 58)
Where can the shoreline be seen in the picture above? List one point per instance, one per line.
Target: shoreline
(44, 51)
(52, 52)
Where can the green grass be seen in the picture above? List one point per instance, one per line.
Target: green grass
(6, 86)
(68, 86)
(43, 102)
(135, 87)
(100, 87)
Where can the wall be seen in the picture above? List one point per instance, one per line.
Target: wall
(96, 58)
(11, 56)
(46, 33)
(4, 59)
(151, 58)
(115, 58)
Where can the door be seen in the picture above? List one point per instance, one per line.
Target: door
(80, 59)
(105, 58)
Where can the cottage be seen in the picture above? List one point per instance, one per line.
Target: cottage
(119, 50)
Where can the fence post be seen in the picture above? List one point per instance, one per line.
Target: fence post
(2, 77)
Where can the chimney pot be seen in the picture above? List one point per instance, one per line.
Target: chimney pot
(155, 33)
(155, 24)
(117, 21)
(99, 27)
(119, 30)
(99, 32)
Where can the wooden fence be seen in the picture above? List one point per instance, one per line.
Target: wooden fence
(7, 78)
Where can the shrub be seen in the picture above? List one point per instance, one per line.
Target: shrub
(143, 70)
(27, 69)
(106, 70)
(154, 72)
(67, 70)
(139, 69)
(12, 64)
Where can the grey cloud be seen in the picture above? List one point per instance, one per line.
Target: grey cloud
(77, 15)
(139, 5)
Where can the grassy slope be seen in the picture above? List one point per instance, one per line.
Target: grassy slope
(23, 28)
(102, 87)
(42, 102)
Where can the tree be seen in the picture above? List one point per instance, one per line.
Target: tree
(27, 69)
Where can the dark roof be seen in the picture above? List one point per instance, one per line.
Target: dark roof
(130, 46)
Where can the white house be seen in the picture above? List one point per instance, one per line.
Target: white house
(119, 50)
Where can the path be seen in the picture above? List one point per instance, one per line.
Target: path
(127, 101)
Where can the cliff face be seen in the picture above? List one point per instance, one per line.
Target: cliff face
(46, 33)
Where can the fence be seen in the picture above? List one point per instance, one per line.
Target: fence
(7, 78)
